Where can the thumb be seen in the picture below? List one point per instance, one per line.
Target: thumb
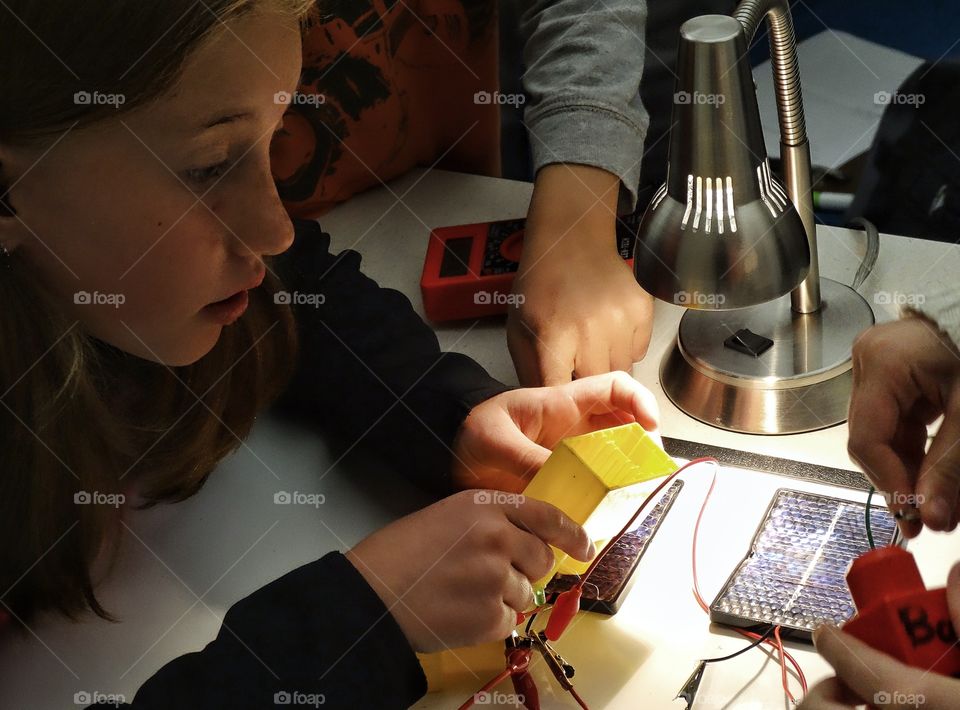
(508, 449)
(939, 481)
(953, 594)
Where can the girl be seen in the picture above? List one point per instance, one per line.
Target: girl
(146, 274)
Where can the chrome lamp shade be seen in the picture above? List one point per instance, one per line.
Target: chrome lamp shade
(726, 239)
(721, 233)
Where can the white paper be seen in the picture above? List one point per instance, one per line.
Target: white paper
(845, 82)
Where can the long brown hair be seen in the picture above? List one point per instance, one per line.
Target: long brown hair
(79, 418)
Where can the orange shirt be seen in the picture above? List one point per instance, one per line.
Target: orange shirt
(387, 86)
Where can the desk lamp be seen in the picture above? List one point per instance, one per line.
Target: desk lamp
(725, 239)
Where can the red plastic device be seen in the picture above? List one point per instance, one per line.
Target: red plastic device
(896, 614)
(469, 269)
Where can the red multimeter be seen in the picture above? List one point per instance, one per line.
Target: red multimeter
(469, 269)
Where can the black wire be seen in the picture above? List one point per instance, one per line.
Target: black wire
(764, 637)
(866, 519)
(530, 621)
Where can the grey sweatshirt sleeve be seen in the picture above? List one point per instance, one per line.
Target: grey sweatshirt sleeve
(584, 59)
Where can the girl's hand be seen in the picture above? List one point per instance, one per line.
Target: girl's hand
(865, 675)
(506, 439)
(456, 573)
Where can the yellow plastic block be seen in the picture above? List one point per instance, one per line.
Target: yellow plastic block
(462, 666)
(597, 479)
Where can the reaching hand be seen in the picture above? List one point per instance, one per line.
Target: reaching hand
(905, 375)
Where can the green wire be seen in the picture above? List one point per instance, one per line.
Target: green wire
(866, 518)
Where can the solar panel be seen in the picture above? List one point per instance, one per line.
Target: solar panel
(793, 575)
(610, 583)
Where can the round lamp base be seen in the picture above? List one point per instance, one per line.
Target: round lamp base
(800, 383)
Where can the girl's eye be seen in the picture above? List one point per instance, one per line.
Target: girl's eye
(202, 176)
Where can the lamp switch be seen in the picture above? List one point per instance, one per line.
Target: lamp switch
(749, 343)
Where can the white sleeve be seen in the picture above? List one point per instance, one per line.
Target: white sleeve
(942, 307)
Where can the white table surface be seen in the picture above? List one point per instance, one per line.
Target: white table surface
(182, 566)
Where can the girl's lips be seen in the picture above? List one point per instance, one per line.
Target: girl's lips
(261, 274)
(228, 310)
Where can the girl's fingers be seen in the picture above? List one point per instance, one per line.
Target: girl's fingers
(939, 482)
(518, 593)
(553, 526)
(500, 444)
(830, 694)
(592, 355)
(531, 556)
(878, 679)
(616, 391)
(953, 594)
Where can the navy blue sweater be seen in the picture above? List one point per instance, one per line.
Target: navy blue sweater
(362, 349)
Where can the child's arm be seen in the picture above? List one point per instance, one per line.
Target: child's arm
(583, 61)
(318, 631)
(583, 312)
(370, 369)
(341, 632)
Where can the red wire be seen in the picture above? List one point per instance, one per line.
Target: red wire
(492, 683)
(616, 538)
(576, 696)
(783, 666)
(524, 615)
(703, 605)
(775, 642)
(613, 541)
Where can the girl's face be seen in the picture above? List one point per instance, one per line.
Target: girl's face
(150, 226)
